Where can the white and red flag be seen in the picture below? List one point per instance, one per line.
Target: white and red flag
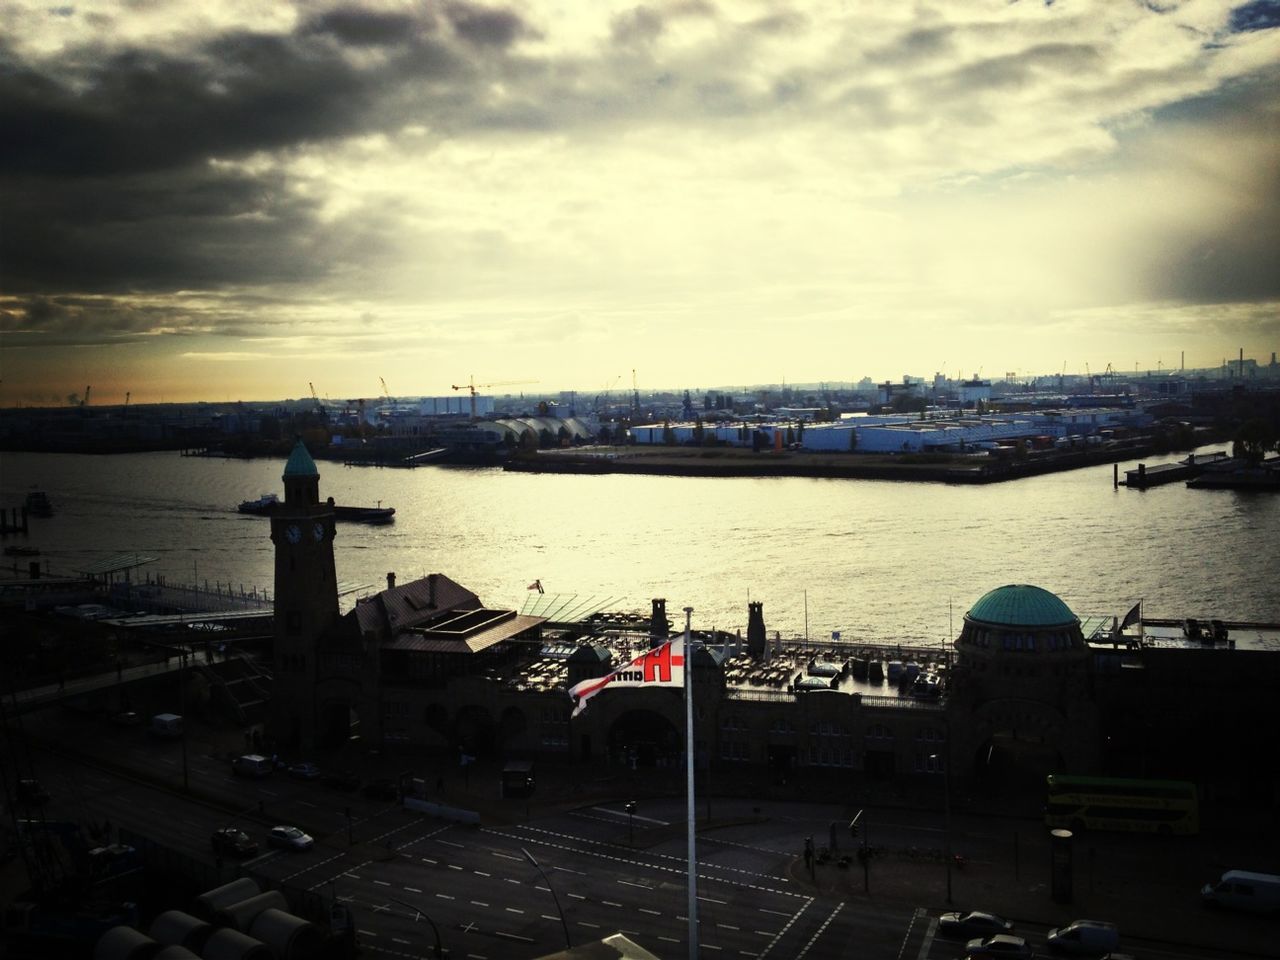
(663, 666)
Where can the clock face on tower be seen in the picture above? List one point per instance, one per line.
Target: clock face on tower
(317, 532)
(293, 533)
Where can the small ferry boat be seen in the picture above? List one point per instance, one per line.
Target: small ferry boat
(260, 507)
(266, 504)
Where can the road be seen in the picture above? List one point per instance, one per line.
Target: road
(406, 877)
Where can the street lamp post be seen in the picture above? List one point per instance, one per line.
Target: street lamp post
(631, 828)
(419, 912)
(946, 816)
(563, 923)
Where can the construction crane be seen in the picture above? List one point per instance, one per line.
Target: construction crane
(386, 394)
(315, 397)
(85, 401)
(473, 386)
(127, 394)
(635, 392)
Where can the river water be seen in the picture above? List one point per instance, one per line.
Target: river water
(877, 560)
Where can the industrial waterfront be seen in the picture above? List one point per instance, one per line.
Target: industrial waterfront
(881, 561)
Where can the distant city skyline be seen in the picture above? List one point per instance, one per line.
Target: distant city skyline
(222, 202)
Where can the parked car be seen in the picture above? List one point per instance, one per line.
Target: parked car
(975, 923)
(1001, 945)
(252, 765)
(234, 842)
(341, 780)
(1090, 937)
(289, 838)
(381, 789)
(304, 770)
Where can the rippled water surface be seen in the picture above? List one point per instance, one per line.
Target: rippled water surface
(880, 560)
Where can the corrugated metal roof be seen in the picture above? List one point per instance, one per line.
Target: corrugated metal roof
(424, 641)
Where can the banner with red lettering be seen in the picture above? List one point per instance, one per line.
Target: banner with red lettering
(662, 666)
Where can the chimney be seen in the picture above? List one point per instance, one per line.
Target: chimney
(658, 623)
(431, 590)
(757, 647)
(391, 580)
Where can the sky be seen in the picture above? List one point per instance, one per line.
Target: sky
(238, 200)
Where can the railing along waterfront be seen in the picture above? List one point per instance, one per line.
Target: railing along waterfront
(867, 700)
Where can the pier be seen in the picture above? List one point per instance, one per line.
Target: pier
(1162, 473)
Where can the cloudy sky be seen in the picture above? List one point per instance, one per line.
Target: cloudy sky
(229, 200)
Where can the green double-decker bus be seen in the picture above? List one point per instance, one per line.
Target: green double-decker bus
(1114, 803)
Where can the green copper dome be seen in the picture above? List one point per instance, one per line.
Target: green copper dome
(1022, 605)
(300, 463)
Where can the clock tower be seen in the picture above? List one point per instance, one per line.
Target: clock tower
(306, 605)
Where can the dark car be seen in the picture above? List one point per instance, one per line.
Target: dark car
(975, 923)
(382, 789)
(1001, 945)
(233, 841)
(341, 780)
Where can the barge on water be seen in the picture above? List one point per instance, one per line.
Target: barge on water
(266, 504)
(1162, 473)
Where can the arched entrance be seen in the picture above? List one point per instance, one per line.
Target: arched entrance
(643, 739)
(1019, 743)
(339, 724)
(474, 731)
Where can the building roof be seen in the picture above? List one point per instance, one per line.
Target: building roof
(300, 463)
(503, 625)
(413, 604)
(1022, 605)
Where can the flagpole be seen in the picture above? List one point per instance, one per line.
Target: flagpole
(688, 766)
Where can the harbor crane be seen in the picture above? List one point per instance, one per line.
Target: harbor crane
(472, 386)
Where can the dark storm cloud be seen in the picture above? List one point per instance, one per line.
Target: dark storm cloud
(361, 28)
(106, 174)
(486, 26)
(1257, 15)
(144, 110)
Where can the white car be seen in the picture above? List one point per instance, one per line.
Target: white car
(290, 838)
